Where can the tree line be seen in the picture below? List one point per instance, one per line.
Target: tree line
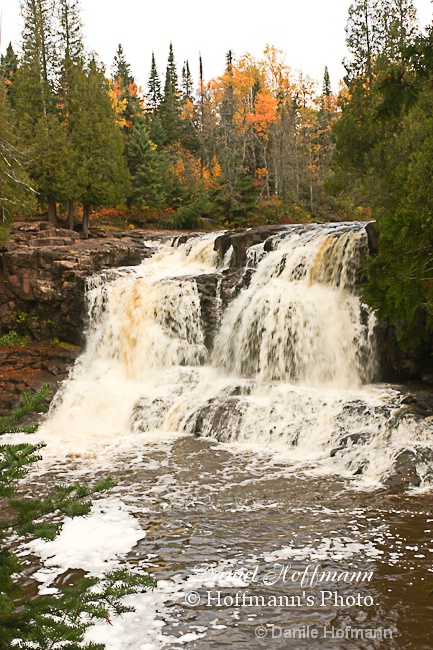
(258, 144)
(382, 166)
(255, 140)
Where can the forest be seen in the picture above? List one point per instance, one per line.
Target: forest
(260, 144)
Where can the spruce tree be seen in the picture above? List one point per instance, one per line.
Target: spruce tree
(189, 136)
(360, 39)
(144, 166)
(71, 62)
(60, 620)
(16, 193)
(326, 88)
(170, 104)
(187, 83)
(8, 69)
(102, 175)
(154, 98)
(34, 92)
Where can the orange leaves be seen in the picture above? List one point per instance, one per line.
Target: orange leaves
(265, 112)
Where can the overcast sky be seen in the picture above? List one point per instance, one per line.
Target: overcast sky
(310, 32)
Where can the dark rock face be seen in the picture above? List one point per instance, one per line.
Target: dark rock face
(241, 240)
(373, 238)
(43, 273)
(216, 291)
(27, 368)
(398, 365)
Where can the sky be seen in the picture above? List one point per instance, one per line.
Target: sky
(310, 32)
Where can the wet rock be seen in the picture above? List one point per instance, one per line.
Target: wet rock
(373, 238)
(150, 414)
(411, 466)
(409, 399)
(220, 418)
(348, 441)
(241, 240)
(412, 411)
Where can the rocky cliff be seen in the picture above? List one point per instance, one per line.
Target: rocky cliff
(43, 272)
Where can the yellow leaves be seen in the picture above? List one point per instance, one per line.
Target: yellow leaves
(187, 112)
(262, 173)
(118, 104)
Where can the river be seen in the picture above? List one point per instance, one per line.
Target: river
(249, 467)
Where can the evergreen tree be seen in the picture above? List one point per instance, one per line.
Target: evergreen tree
(39, 53)
(16, 193)
(187, 83)
(102, 175)
(154, 88)
(71, 54)
(59, 620)
(170, 104)
(378, 31)
(34, 93)
(144, 166)
(70, 32)
(189, 125)
(326, 88)
(154, 98)
(360, 39)
(8, 69)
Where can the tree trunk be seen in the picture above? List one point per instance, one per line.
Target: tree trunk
(71, 215)
(52, 210)
(86, 219)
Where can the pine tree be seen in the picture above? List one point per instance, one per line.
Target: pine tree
(326, 88)
(400, 28)
(187, 83)
(170, 104)
(102, 175)
(360, 39)
(154, 98)
(154, 88)
(144, 168)
(378, 31)
(71, 55)
(59, 620)
(8, 69)
(34, 92)
(189, 117)
(16, 192)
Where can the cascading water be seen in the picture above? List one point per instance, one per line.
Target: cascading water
(233, 406)
(299, 320)
(289, 368)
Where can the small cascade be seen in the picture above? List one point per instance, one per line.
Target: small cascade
(286, 365)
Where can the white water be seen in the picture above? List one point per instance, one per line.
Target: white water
(289, 371)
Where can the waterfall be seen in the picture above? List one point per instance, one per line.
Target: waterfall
(282, 361)
(300, 320)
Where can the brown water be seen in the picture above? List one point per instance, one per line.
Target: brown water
(210, 510)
